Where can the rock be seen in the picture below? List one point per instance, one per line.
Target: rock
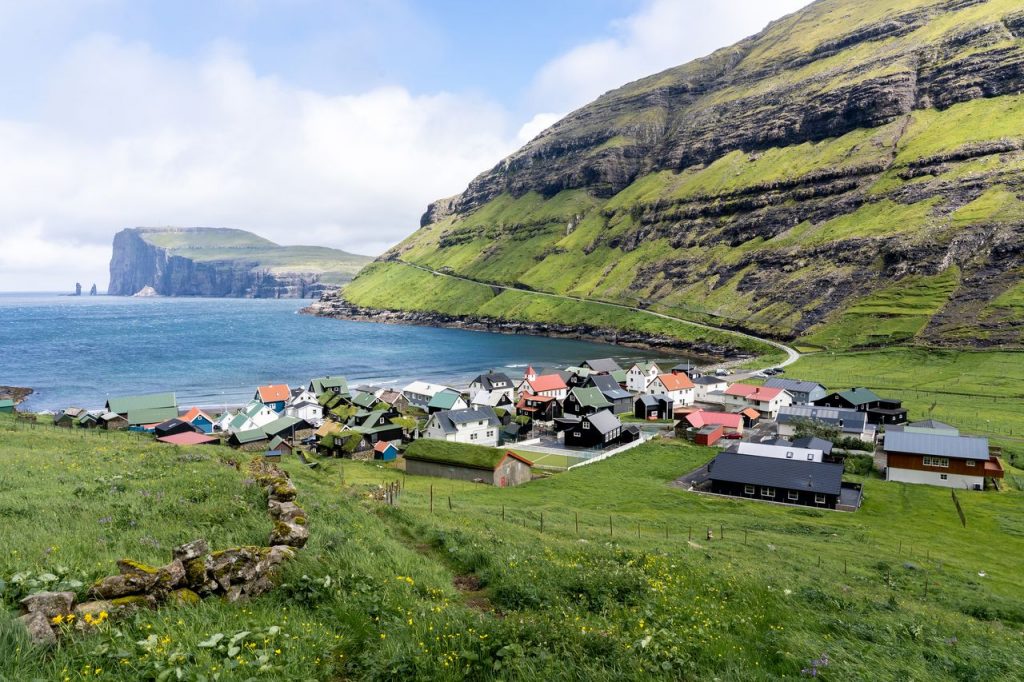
(49, 604)
(191, 550)
(39, 630)
(129, 567)
(281, 490)
(94, 608)
(197, 574)
(183, 597)
(285, 511)
(235, 566)
(290, 534)
(116, 586)
(171, 576)
(133, 602)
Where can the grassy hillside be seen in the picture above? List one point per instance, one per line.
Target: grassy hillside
(894, 591)
(852, 159)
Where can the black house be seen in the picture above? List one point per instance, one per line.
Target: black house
(172, 427)
(879, 410)
(814, 484)
(597, 430)
(620, 398)
(653, 407)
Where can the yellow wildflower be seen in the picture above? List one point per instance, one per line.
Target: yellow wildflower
(58, 619)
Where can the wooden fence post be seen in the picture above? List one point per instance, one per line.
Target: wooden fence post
(577, 523)
(431, 498)
(611, 532)
(449, 503)
(542, 522)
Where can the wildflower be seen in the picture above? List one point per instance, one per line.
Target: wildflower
(58, 619)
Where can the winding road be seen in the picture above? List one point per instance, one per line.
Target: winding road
(792, 355)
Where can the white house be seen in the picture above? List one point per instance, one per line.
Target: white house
(678, 387)
(253, 416)
(496, 398)
(780, 452)
(310, 411)
(301, 394)
(474, 426)
(705, 384)
(550, 385)
(939, 457)
(496, 384)
(765, 400)
(420, 393)
(640, 375)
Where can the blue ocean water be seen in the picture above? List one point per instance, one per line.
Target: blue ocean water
(214, 352)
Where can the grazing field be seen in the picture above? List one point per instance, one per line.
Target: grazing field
(902, 590)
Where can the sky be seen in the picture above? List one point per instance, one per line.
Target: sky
(328, 122)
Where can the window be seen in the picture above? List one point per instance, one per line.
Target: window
(936, 461)
(474, 436)
(819, 498)
(490, 434)
(971, 462)
(943, 476)
(793, 495)
(810, 456)
(586, 425)
(767, 492)
(789, 455)
(748, 489)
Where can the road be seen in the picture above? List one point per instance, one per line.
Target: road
(791, 353)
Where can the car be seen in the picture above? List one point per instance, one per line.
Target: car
(771, 372)
(733, 436)
(779, 370)
(721, 372)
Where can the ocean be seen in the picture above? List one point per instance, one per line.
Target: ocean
(78, 351)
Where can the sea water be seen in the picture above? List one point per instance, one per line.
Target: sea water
(78, 351)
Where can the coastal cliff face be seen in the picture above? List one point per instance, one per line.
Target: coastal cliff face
(852, 175)
(223, 263)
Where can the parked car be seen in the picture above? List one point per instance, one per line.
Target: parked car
(721, 372)
(733, 436)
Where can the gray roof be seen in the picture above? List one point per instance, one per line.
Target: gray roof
(603, 365)
(648, 400)
(447, 419)
(814, 443)
(493, 380)
(608, 386)
(708, 380)
(604, 421)
(815, 477)
(937, 445)
(793, 385)
(853, 421)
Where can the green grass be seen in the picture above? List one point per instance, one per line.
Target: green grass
(935, 132)
(455, 453)
(626, 596)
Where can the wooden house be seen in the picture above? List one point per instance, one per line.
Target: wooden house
(620, 399)
(173, 427)
(67, 418)
(395, 399)
(597, 430)
(143, 410)
(602, 366)
(334, 385)
(879, 410)
(789, 481)
(640, 375)
(767, 401)
(495, 384)
(803, 392)
(385, 451)
(678, 387)
(653, 407)
(376, 426)
(730, 422)
(280, 446)
(539, 408)
(448, 399)
(112, 422)
(708, 435)
(848, 422)
(708, 383)
(467, 463)
(583, 401)
(552, 385)
(939, 457)
(274, 396)
(199, 420)
(253, 440)
(477, 427)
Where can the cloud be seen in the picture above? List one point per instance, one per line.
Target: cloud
(535, 126)
(665, 33)
(129, 137)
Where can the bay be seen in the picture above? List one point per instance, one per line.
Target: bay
(214, 352)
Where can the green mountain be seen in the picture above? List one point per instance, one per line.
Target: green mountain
(850, 176)
(204, 261)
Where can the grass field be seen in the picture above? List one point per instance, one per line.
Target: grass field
(400, 593)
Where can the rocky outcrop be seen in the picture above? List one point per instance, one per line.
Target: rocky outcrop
(217, 263)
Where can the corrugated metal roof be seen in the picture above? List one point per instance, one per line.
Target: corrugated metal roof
(853, 421)
(604, 421)
(816, 477)
(154, 415)
(792, 385)
(590, 397)
(859, 396)
(603, 365)
(935, 444)
(154, 401)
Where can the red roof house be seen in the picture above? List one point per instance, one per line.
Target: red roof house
(731, 423)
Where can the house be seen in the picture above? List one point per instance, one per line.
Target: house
(730, 422)
(494, 383)
(790, 481)
(790, 451)
(141, 410)
(572, 376)
(539, 408)
(678, 387)
(937, 457)
(252, 440)
(255, 415)
(476, 427)
(286, 427)
(620, 398)
(364, 400)
(803, 392)
(89, 420)
(310, 411)
(335, 385)
(448, 399)
(6, 406)
(172, 427)
(705, 384)
(279, 446)
(544, 384)
(879, 410)
(602, 366)
(68, 417)
(376, 426)
(849, 422)
(495, 399)
(274, 396)
(653, 407)
(201, 421)
(395, 399)
(112, 422)
(189, 438)
(641, 374)
(385, 451)
(750, 416)
(708, 435)
(581, 401)
(420, 393)
(468, 463)
(765, 400)
(687, 368)
(597, 430)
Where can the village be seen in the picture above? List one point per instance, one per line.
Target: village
(776, 439)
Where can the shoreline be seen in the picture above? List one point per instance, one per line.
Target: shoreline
(338, 309)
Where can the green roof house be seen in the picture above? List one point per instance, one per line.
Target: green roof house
(141, 410)
(6, 406)
(447, 399)
(582, 401)
(463, 462)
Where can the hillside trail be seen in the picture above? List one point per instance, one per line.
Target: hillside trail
(792, 355)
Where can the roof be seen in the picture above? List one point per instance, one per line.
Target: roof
(702, 418)
(445, 400)
(708, 380)
(188, 438)
(547, 382)
(607, 384)
(791, 474)
(590, 397)
(152, 401)
(604, 421)
(674, 382)
(932, 424)
(154, 415)
(274, 393)
(363, 399)
(278, 442)
(493, 380)
(853, 421)
(859, 396)
(751, 392)
(253, 408)
(790, 451)
(814, 443)
(6, 402)
(390, 396)
(321, 384)
(251, 436)
(603, 365)
(329, 428)
(460, 454)
(447, 419)
(938, 445)
(423, 388)
(281, 425)
(382, 445)
(645, 367)
(194, 414)
(647, 399)
(792, 385)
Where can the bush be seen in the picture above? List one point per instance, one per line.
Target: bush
(859, 465)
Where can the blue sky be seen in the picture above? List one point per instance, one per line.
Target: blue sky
(306, 121)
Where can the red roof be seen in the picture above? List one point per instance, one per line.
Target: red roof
(547, 382)
(750, 412)
(675, 382)
(742, 390)
(509, 453)
(189, 438)
(993, 468)
(275, 393)
(194, 414)
(762, 393)
(381, 446)
(702, 418)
